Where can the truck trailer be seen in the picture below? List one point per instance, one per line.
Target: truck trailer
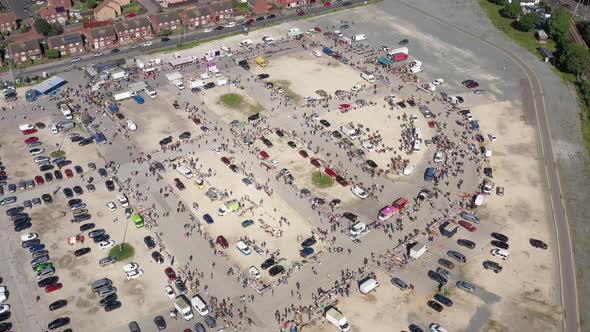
(182, 305)
(328, 51)
(66, 111)
(418, 250)
(123, 95)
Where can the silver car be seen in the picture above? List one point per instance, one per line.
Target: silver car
(106, 291)
(444, 272)
(399, 283)
(107, 261)
(468, 215)
(8, 200)
(466, 286)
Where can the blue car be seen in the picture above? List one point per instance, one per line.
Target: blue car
(208, 218)
(307, 251)
(36, 248)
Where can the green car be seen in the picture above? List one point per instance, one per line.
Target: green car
(43, 266)
(247, 223)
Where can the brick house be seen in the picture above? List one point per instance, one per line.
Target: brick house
(54, 15)
(291, 3)
(8, 22)
(107, 10)
(24, 51)
(258, 6)
(221, 10)
(101, 37)
(195, 17)
(66, 4)
(166, 21)
(137, 27)
(69, 44)
(123, 3)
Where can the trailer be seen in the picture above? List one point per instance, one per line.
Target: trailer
(328, 51)
(418, 250)
(173, 76)
(399, 57)
(197, 84)
(66, 111)
(123, 95)
(385, 60)
(359, 37)
(403, 50)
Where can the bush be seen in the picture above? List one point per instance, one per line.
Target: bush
(559, 24)
(573, 58)
(511, 10)
(529, 22)
(25, 28)
(53, 54)
(122, 251)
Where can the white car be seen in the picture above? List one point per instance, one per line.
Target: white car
(123, 199)
(111, 206)
(208, 30)
(130, 267)
(409, 169)
(430, 87)
(359, 192)
(434, 327)
(216, 150)
(222, 211)
(492, 137)
(279, 90)
(254, 272)
(131, 125)
(106, 244)
(4, 308)
(274, 163)
(3, 291)
(356, 88)
(438, 81)
(367, 145)
(134, 274)
(244, 248)
(170, 291)
(439, 156)
(147, 43)
(28, 236)
(230, 25)
(504, 254)
(98, 54)
(36, 151)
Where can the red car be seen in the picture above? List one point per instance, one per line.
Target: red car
(343, 106)
(2, 173)
(264, 155)
(303, 153)
(468, 226)
(327, 3)
(222, 242)
(225, 160)
(472, 85)
(69, 173)
(197, 121)
(29, 131)
(318, 29)
(53, 287)
(301, 13)
(330, 172)
(250, 21)
(32, 140)
(179, 184)
(315, 162)
(39, 180)
(479, 138)
(342, 181)
(170, 274)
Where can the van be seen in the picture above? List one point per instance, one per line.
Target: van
(54, 129)
(360, 37)
(416, 147)
(367, 285)
(123, 199)
(150, 91)
(500, 253)
(368, 76)
(200, 305)
(184, 171)
(179, 84)
(98, 284)
(245, 249)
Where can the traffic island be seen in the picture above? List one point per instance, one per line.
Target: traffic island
(322, 180)
(122, 252)
(57, 154)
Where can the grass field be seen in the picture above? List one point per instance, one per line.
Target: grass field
(232, 100)
(122, 251)
(322, 180)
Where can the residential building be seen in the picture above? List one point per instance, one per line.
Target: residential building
(166, 21)
(24, 51)
(68, 44)
(54, 15)
(258, 6)
(101, 37)
(123, 3)
(137, 27)
(172, 3)
(195, 17)
(221, 10)
(8, 22)
(291, 3)
(66, 4)
(107, 10)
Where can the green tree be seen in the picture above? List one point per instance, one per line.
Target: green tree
(511, 10)
(42, 26)
(573, 59)
(585, 32)
(25, 28)
(91, 4)
(53, 54)
(499, 2)
(55, 29)
(559, 24)
(529, 21)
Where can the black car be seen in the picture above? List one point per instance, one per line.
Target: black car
(185, 135)
(435, 305)
(350, 216)
(466, 243)
(165, 39)
(309, 242)
(487, 171)
(108, 299)
(112, 306)
(45, 168)
(260, 18)
(87, 227)
(14, 210)
(401, 104)
(415, 328)
(158, 258)
(149, 242)
(268, 263)
(336, 134)
(325, 123)
(58, 305)
(280, 133)
(74, 201)
(21, 220)
(81, 217)
(459, 257)
(219, 27)
(347, 3)
(263, 76)
(82, 251)
(538, 244)
(411, 102)
(58, 175)
(115, 50)
(209, 85)
(271, 16)
(47, 281)
(48, 177)
(78, 190)
(46, 198)
(102, 172)
(275, 270)
(491, 265)
(443, 299)
(234, 168)
(110, 185)
(159, 320)
(292, 145)
(31, 243)
(500, 244)
(404, 42)
(120, 116)
(18, 216)
(76, 139)
(371, 163)
(64, 163)
(68, 192)
(86, 141)
(22, 227)
(78, 170)
(267, 142)
(100, 238)
(5, 327)
(500, 237)
(437, 277)
(61, 321)
(166, 140)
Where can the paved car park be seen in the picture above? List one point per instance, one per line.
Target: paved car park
(175, 216)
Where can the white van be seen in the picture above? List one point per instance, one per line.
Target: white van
(200, 305)
(360, 37)
(368, 76)
(179, 84)
(417, 143)
(245, 249)
(131, 125)
(54, 129)
(367, 285)
(123, 199)
(500, 253)
(150, 92)
(185, 171)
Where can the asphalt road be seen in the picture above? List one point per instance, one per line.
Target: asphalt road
(18, 7)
